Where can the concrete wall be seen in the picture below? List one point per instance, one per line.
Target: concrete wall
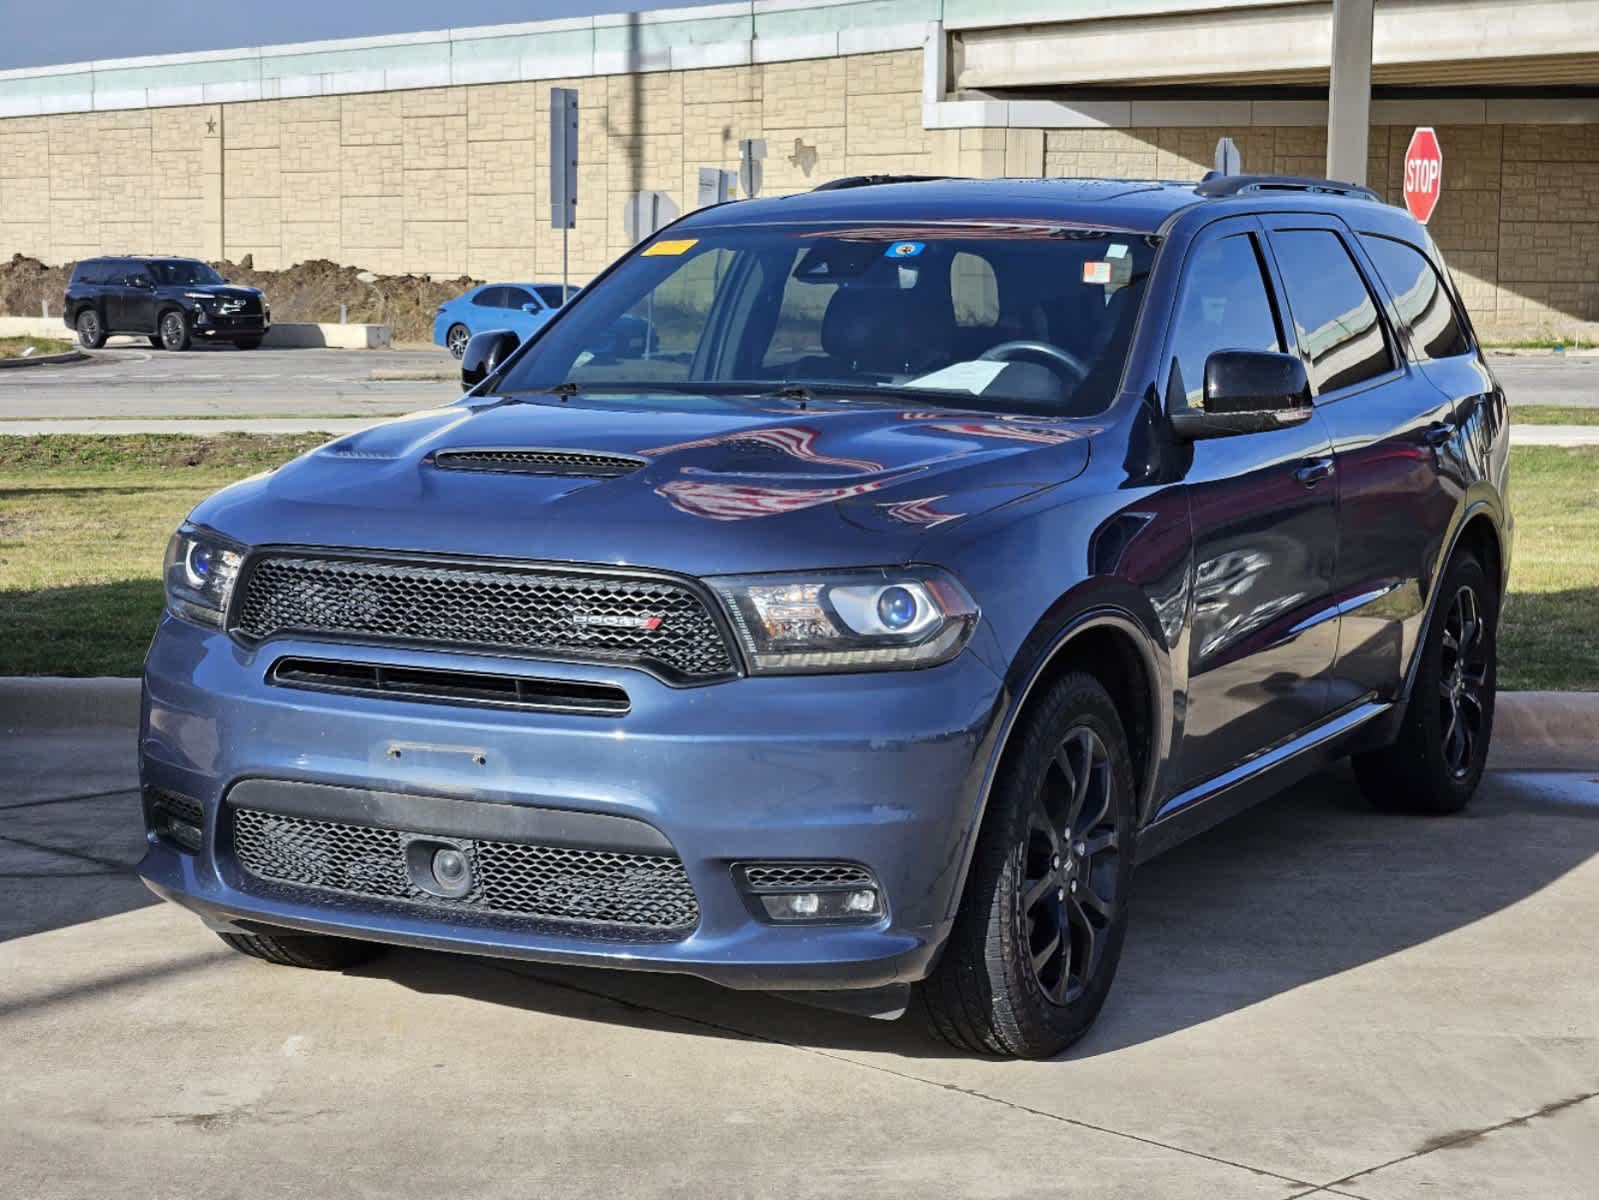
(453, 180)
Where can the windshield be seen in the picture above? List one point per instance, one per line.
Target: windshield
(181, 272)
(551, 294)
(1015, 318)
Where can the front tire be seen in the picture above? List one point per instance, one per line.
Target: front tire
(1035, 945)
(91, 330)
(174, 331)
(314, 952)
(456, 338)
(1437, 761)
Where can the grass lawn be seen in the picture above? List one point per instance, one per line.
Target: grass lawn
(83, 522)
(15, 347)
(1552, 414)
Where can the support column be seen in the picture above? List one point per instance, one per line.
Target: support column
(1349, 92)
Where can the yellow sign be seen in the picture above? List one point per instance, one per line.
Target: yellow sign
(680, 246)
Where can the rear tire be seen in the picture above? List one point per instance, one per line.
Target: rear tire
(249, 343)
(1437, 761)
(174, 331)
(91, 329)
(1035, 945)
(456, 338)
(314, 952)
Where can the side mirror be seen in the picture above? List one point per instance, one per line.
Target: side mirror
(484, 353)
(531, 310)
(1247, 391)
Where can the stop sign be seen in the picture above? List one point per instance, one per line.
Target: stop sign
(1424, 173)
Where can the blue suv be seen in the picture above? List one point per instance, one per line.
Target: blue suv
(843, 595)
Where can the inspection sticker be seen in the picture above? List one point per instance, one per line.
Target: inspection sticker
(904, 250)
(679, 246)
(1116, 250)
(1096, 272)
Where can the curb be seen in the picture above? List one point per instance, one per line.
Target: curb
(1540, 352)
(1548, 731)
(414, 375)
(71, 356)
(32, 704)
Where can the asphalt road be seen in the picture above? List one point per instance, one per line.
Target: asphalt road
(1314, 1000)
(219, 381)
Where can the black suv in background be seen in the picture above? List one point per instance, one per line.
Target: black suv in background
(170, 300)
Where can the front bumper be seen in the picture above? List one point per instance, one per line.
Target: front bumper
(880, 769)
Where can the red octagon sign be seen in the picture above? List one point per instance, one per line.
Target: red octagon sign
(1424, 173)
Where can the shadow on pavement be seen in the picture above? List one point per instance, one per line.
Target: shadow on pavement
(1306, 886)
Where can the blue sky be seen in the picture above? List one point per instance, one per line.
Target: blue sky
(34, 34)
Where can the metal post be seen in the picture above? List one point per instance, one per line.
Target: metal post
(565, 290)
(1349, 91)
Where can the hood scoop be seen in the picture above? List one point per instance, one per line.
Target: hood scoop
(535, 460)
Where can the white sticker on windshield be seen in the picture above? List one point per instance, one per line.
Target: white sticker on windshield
(1116, 250)
(971, 377)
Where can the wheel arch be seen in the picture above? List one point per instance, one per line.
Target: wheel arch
(1479, 530)
(1105, 638)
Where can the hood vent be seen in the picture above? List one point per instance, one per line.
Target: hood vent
(577, 464)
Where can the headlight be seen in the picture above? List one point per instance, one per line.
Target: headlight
(200, 570)
(883, 619)
(198, 296)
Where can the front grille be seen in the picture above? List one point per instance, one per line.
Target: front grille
(804, 876)
(450, 687)
(653, 622)
(644, 894)
(576, 463)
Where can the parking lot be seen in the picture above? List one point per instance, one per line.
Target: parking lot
(126, 381)
(1314, 1000)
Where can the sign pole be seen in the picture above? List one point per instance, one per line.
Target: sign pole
(1349, 91)
(563, 174)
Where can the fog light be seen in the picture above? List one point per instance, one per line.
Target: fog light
(821, 906)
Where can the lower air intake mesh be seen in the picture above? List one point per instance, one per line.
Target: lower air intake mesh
(645, 894)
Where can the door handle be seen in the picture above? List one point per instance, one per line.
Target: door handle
(1439, 433)
(1313, 470)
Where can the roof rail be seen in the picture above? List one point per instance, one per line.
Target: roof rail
(1214, 186)
(855, 181)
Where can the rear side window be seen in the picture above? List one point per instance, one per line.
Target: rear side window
(1334, 313)
(489, 297)
(1224, 306)
(1420, 296)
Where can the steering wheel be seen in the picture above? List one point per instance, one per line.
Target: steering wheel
(1006, 351)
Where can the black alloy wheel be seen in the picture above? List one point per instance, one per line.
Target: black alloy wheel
(91, 330)
(1441, 750)
(1463, 680)
(174, 331)
(1072, 885)
(1035, 945)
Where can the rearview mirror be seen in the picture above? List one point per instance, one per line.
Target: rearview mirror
(483, 355)
(1247, 391)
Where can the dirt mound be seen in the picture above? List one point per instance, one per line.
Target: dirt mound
(308, 291)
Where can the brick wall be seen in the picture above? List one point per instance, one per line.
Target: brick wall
(454, 180)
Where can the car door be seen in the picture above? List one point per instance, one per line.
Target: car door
(1391, 429)
(1263, 629)
(516, 316)
(138, 300)
(116, 293)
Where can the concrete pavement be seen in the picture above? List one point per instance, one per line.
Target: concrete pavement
(1314, 1000)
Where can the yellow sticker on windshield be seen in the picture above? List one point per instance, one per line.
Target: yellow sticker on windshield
(671, 247)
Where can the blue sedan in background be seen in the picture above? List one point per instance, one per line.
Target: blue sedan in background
(520, 307)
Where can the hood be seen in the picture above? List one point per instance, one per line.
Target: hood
(222, 291)
(697, 484)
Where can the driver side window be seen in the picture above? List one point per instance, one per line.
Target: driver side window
(1224, 305)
